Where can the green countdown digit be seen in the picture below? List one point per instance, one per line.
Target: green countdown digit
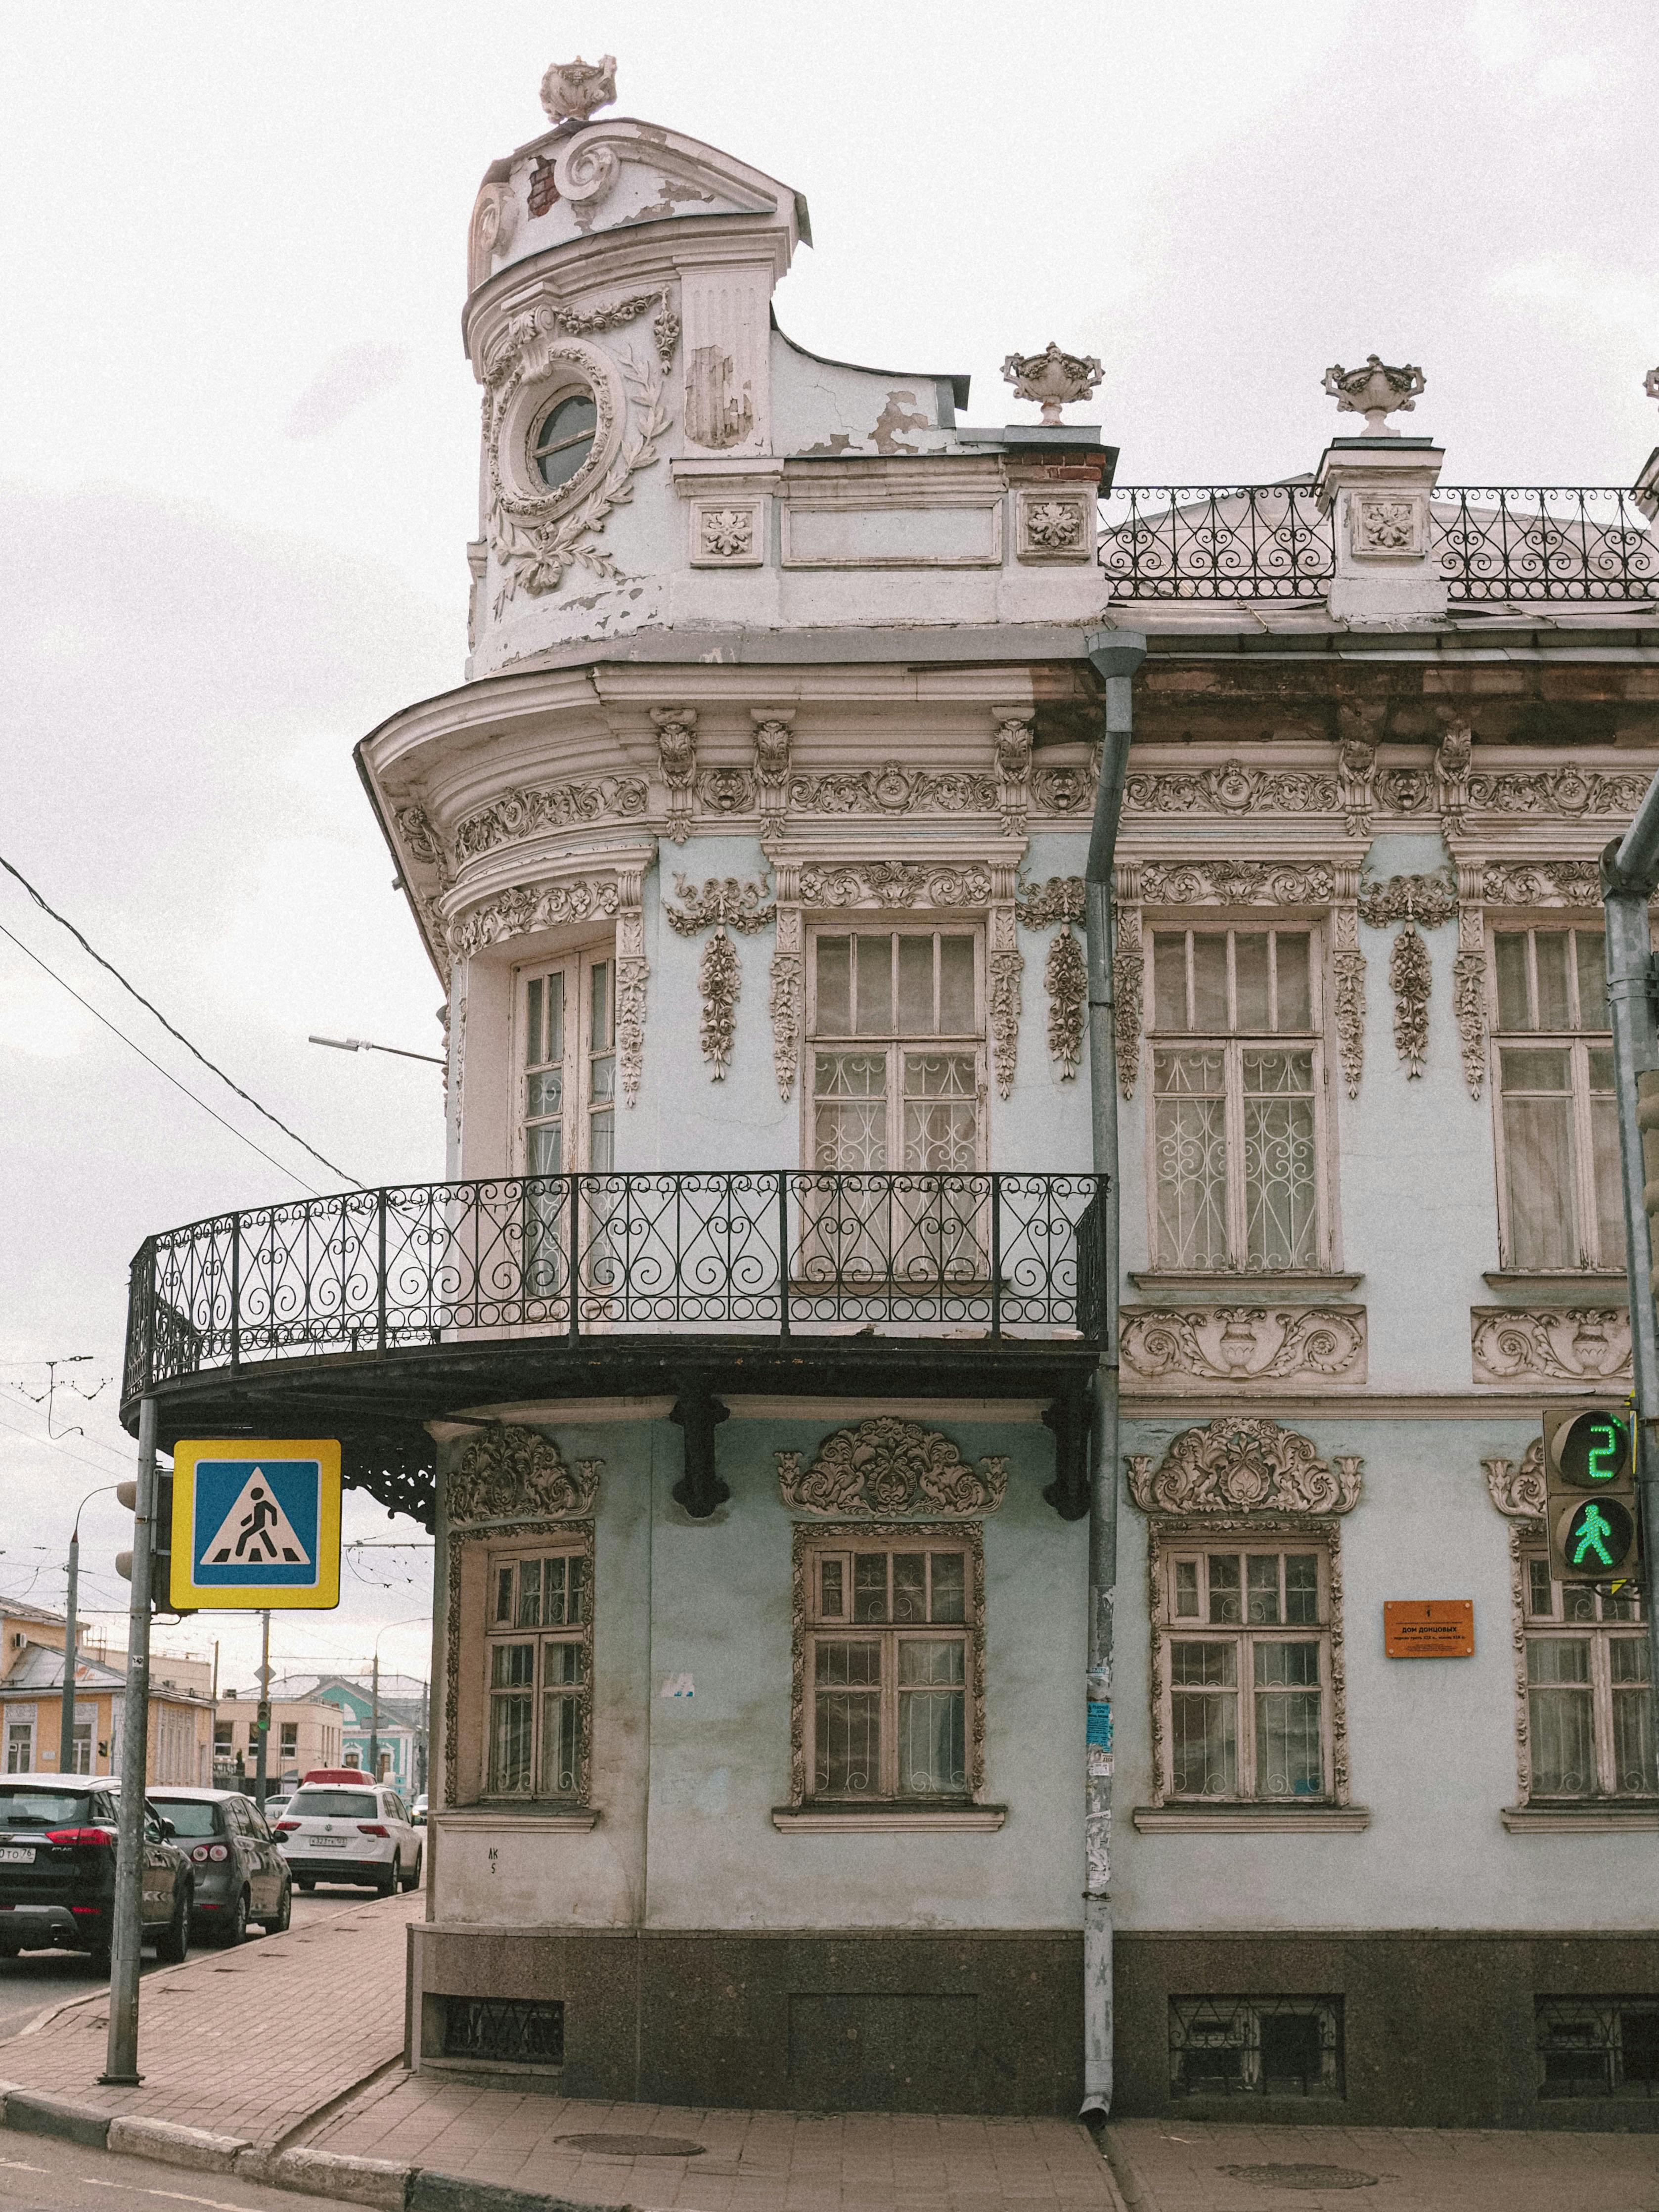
(1605, 1452)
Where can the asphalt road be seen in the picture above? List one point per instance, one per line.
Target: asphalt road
(38, 2174)
(29, 1984)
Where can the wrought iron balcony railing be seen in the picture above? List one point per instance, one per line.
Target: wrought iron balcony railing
(1271, 541)
(775, 1252)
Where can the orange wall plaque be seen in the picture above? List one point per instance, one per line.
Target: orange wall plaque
(1428, 1627)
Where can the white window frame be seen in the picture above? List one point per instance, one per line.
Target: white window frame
(1602, 1627)
(581, 1109)
(571, 1544)
(895, 1042)
(813, 1546)
(1232, 1044)
(1177, 1546)
(1578, 1040)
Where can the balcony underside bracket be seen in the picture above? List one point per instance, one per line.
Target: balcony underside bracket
(698, 1414)
(1068, 1417)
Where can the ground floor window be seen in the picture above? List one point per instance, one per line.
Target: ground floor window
(1244, 1667)
(889, 1629)
(537, 1656)
(19, 1746)
(1588, 1713)
(1597, 2046)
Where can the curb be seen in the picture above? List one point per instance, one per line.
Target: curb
(375, 2181)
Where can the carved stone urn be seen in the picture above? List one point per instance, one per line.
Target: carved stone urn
(1375, 391)
(1052, 377)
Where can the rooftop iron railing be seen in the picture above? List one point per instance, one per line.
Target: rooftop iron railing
(1503, 543)
(780, 1251)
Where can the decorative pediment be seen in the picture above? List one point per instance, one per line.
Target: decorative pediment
(1518, 1491)
(886, 1466)
(1239, 1465)
(517, 1473)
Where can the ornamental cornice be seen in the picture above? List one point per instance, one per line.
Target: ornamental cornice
(885, 1468)
(1244, 1464)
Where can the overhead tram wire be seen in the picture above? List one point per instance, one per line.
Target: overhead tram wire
(132, 990)
(239, 1133)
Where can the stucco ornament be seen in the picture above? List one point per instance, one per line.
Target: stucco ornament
(1550, 1344)
(676, 758)
(1011, 746)
(1232, 788)
(1651, 384)
(1066, 978)
(893, 789)
(509, 1472)
(1052, 378)
(525, 907)
(1432, 900)
(576, 88)
(536, 532)
(1543, 882)
(1246, 1344)
(523, 813)
(1241, 1465)
(1235, 883)
(723, 905)
(1518, 1491)
(1375, 392)
(885, 1467)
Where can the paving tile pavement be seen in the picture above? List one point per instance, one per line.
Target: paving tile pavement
(749, 2161)
(246, 2042)
(1173, 2167)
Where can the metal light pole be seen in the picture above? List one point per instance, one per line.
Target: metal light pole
(261, 1719)
(1116, 654)
(1630, 876)
(374, 1715)
(121, 2061)
(66, 1728)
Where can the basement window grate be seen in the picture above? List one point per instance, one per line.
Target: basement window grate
(1261, 2046)
(516, 2031)
(1597, 2046)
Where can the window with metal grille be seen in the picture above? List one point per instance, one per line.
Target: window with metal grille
(1597, 2046)
(538, 1643)
(1244, 1671)
(890, 1665)
(1238, 1110)
(898, 1030)
(522, 2031)
(1590, 1707)
(1560, 1200)
(1225, 2046)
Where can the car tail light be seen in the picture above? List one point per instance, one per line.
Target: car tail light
(203, 1851)
(80, 1836)
(372, 1828)
(87, 1912)
(287, 1827)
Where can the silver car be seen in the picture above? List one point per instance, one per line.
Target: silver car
(239, 1873)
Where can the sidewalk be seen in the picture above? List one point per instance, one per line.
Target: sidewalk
(314, 2012)
(1168, 2165)
(729, 2162)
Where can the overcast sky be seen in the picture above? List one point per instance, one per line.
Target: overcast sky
(238, 466)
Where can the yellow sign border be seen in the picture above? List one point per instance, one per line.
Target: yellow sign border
(324, 1597)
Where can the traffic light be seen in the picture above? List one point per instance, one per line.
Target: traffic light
(1589, 1482)
(160, 1563)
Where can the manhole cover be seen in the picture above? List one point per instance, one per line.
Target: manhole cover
(635, 2146)
(1301, 2177)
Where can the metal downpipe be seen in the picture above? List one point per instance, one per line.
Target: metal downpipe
(1116, 654)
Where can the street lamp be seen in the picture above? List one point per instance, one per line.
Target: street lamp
(362, 1044)
(66, 1725)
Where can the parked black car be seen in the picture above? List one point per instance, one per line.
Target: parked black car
(237, 1872)
(57, 1870)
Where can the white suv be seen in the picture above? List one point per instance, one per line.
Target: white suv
(345, 1828)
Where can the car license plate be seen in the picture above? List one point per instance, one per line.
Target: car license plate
(323, 1843)
(17, 1855)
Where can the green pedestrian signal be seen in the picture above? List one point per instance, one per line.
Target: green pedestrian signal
(1592, 1539)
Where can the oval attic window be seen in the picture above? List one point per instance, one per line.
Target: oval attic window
(566, 438)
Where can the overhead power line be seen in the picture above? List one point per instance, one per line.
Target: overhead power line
(63, 922)
(160, 1070)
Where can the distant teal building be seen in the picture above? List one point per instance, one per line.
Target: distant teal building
(401, 1726)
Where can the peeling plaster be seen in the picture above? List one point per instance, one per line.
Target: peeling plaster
(892, 419)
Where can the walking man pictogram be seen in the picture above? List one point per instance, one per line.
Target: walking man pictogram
(1592, 1532)
(257, 1526)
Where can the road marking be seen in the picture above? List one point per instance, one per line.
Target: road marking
(172, 2195)
(18, 2165)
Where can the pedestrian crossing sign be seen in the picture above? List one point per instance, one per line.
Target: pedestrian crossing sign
(256, 1524)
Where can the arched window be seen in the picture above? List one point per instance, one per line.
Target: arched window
(565, 437)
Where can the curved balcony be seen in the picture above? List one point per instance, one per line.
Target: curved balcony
(366, 1314)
